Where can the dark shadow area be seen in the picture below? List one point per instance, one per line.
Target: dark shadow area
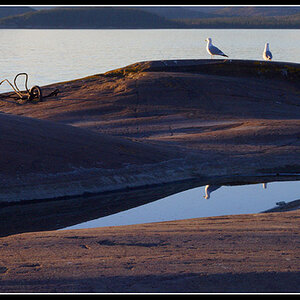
(253, 282)
(43, 215)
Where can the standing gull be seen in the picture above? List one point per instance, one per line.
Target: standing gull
(213, 50)
(267, 55)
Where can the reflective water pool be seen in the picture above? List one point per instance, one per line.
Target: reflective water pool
(227, 200)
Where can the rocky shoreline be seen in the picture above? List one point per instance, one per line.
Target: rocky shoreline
(152, 123)
(149, 129)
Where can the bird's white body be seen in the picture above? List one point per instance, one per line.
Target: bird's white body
(213, 50)
(267, 55)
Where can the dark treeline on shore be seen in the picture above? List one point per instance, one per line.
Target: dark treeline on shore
(283, 22)
(149, 17)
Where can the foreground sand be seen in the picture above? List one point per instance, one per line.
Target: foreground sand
(243, 253)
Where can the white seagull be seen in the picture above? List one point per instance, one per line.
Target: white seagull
(267, 55)
(213, 50)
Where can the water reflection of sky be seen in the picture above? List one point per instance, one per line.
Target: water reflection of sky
(227, 200)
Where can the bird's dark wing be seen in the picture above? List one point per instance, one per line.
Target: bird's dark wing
(269, 54)
(215, 51)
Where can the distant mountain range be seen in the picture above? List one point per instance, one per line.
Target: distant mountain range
(6, 11)
(87, 17)
(150, 17)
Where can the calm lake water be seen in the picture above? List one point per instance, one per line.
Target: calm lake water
(51, 56)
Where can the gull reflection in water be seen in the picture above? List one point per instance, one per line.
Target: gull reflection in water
(212, 187)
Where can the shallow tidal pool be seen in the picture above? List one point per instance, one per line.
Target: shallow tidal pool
(227, 200)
